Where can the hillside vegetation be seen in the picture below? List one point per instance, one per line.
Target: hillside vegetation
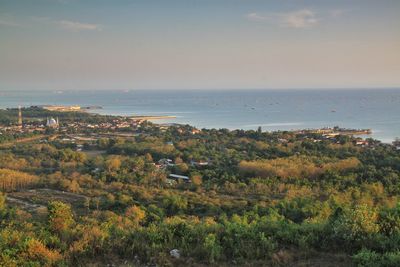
(254, 199)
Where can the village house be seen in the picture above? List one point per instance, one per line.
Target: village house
(173, 178)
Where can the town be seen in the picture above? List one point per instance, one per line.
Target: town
(129, 126)
(126, 191)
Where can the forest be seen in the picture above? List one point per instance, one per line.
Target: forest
(252, 198)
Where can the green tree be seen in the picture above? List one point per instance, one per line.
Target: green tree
(2, 201)
(212, 247)
(356, 224)
(60, 217)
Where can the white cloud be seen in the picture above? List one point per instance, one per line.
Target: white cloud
(256, 17)
(300, 19)
(78, 26)
(304, 18)
(8, 23)
(74, 26)
(9, 20)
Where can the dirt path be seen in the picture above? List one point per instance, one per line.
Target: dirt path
(24, 204)
(34, 199)
(26, 140)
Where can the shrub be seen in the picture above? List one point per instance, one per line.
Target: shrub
(356, 224)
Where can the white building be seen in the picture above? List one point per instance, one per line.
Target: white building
(52, 123)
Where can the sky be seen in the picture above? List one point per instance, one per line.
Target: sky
(198, 44)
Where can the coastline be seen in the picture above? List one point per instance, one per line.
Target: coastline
(273, 110)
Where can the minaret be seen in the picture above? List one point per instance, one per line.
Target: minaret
(19, 117)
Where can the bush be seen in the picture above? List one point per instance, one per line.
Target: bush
(356, 225)
(212, 248)
(367, 258)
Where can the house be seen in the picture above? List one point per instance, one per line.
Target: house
(200, 163)
(331, 135)
(176, 177)
(96, 170)
(163, 163)
(195, 131)
(362, 143)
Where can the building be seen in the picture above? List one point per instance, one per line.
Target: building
(200, 163)
(52, 123)
(177, 177)
(195, 131)
(361, 143)
(163, 163)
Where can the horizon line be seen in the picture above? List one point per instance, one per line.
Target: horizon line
(200, 89)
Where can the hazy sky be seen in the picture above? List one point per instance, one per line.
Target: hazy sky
(178, 44)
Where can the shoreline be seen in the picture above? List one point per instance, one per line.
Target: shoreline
(379, 134)
(362, 133)
(150, 117)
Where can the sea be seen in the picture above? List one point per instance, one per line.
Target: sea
(272, 110)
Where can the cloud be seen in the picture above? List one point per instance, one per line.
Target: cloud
(8, 20)
(78, 26)
(303, 18)
(74, 26)
(8, 23)
(300, 19)
(256, 17)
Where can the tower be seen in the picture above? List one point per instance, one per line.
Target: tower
(19, 117)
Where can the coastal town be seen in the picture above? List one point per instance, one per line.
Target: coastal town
(129, 126)
(126, 179)
(199, 133)
(40, 124)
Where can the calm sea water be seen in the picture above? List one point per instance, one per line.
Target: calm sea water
(377, 109)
